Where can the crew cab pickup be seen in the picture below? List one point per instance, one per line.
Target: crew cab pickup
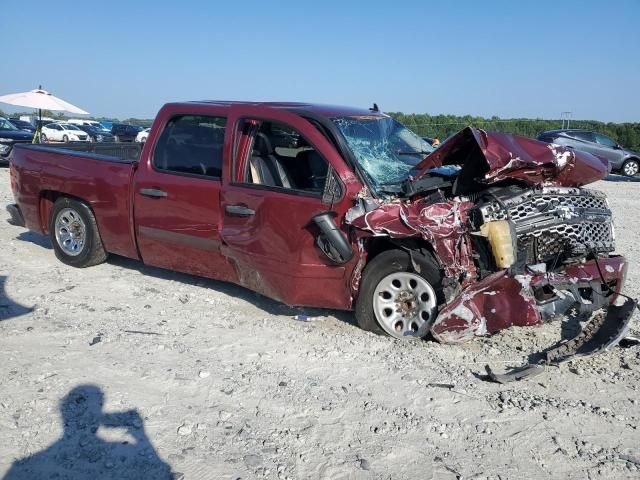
(342, 208)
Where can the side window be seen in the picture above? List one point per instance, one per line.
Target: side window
(605, 141)
(585, 136)
(191, 144)
(280, 157)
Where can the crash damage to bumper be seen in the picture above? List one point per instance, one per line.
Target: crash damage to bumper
(552, 252)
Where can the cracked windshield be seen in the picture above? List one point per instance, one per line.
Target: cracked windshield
(386, 150)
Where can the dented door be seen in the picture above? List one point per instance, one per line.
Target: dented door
(266, 233)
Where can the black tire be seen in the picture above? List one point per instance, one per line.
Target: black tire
(43, 138)
(65, 139)
(631, 164)
(116, 139)
(92, 251)
(384, 264)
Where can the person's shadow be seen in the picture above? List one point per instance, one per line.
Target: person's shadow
(81, 454)
(9, 308)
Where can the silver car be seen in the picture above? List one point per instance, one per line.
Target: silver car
(620, 159)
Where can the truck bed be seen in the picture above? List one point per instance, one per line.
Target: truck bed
(122, 152)
(42, 173)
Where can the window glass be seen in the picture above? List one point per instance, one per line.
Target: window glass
(281, 157)
(586, 136)
(191, 144)
(604, 140)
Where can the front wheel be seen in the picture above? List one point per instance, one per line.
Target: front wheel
(65, 139)
(43, 138)
(631, 167)
(74, 234)
(398, 296)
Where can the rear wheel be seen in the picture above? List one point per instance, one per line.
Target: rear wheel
(65, 139)
(74, 234)
(397, 298)
(43, 138)
(116, 138)
(631, 167)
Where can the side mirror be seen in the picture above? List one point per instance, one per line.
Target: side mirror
(617, 147)
(331, 240)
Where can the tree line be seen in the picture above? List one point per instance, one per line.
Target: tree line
(442, 126)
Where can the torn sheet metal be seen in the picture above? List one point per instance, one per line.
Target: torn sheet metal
(494, 303)
(443, 225)
(499, 156)
(500, 301)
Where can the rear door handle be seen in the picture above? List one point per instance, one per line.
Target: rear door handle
(153, 192)
(239, 210)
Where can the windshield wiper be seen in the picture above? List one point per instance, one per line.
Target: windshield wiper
(419, 152)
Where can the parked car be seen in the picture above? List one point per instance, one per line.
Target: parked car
(22, 125)
(106, 125)
(96, 134)
(62, 132)
(350, 213)
(124, 132)
(621, 159)
(92, 123)
(10, 135)
(143, 135)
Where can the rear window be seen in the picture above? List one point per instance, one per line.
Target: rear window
(191, 145)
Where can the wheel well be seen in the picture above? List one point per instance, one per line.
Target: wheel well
(47, 199)
(376, 245)
(632, 158)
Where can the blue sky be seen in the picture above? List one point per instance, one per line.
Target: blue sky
(505, 58)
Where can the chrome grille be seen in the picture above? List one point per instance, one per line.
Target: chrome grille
(553, 221)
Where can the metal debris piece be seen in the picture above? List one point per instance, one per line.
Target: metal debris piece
(605, 330)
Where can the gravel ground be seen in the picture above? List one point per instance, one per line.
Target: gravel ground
(126, 371)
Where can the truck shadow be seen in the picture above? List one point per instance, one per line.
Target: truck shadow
(270, 306)
(80, 453)
(35, 238)
(9, 308)
(620, 178)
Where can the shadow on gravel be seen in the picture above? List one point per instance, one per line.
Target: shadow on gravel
(9, 308)
(621, 178)
(81, 454)
(270, 306)
(36, 238)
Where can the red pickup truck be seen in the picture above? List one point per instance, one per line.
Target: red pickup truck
(342, 208)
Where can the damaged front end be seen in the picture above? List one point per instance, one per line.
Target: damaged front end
(518, 240)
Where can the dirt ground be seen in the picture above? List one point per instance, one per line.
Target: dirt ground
(125, 371)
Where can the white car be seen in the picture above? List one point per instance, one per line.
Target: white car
(62, 132)
(143, 135)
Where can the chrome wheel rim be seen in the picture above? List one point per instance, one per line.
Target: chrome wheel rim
(71, 232)
(403, 302)
(631, 168)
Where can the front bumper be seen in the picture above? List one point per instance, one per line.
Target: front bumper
(500, 301)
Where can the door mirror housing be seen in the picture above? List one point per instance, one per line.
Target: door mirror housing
(331, 241)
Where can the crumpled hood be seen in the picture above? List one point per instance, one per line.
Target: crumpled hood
(489, 157)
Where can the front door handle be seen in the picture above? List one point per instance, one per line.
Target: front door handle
(239, 210)
(153, 192)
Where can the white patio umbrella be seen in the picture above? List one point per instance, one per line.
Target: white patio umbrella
(42, 100)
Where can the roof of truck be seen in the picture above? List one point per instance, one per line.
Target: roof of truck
(329, 111)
